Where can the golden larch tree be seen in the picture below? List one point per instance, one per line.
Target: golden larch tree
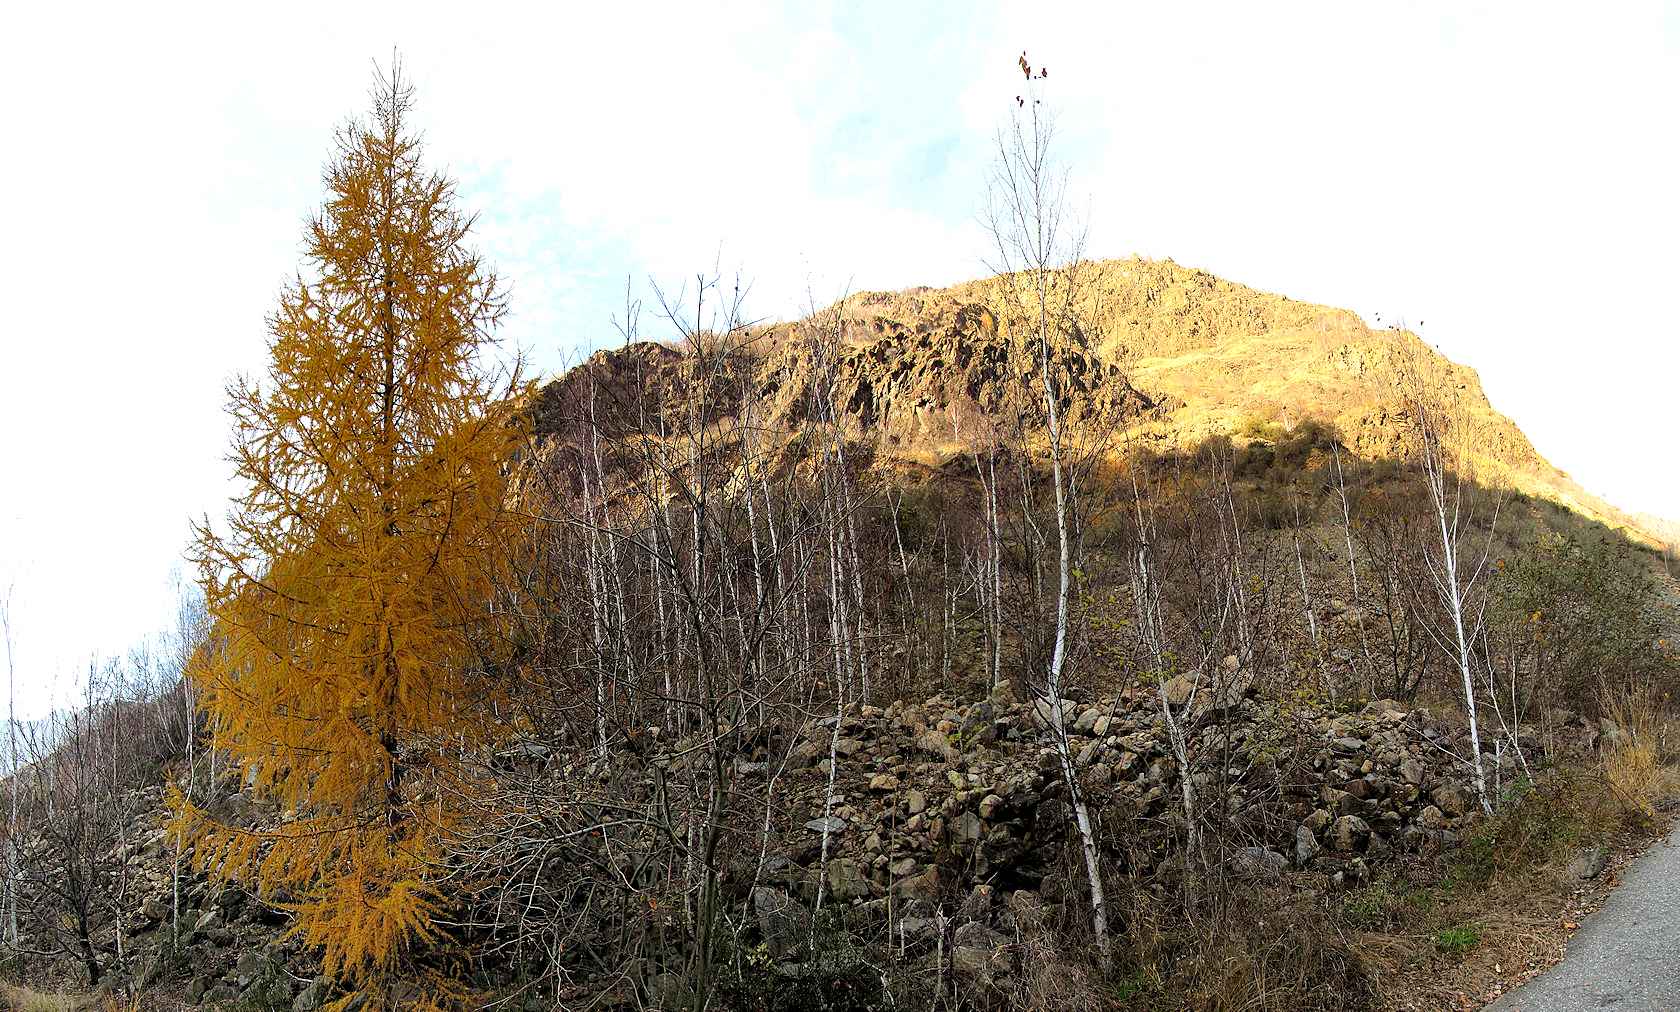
(350, 583)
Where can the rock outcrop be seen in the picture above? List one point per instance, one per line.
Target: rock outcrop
(1174, 354)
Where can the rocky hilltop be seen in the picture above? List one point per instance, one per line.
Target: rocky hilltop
(1164, 357)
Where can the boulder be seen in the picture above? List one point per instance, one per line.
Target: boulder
(937, 745)
(846, 881)
(978, 906)
(1026, 912)
(1306, 846)
(979, 728)
(1349, 833)
(250, 968)
(1338, 802)
(1259, 864)
(1452, 799)
(1390, 709)
(979, 956)
(270, 993)
(1588, 864)
(1178, 689)
(1043, 711)
(783, 922)
(155, 909)
(197, 987)
(923, 887)
(313, 996)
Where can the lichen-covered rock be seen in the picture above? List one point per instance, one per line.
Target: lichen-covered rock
(846, 880)
(1349, 834)
(1588, 864)
(1261, 864)
(1306, 846)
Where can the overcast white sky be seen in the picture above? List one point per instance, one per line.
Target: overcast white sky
(1505, 173)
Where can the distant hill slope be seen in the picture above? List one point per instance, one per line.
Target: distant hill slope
(1174, 354)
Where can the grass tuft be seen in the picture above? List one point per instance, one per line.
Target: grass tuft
(1634, 768)
(1458, 940)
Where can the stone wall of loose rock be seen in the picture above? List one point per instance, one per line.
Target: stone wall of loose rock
(950, 819)
(948, 827)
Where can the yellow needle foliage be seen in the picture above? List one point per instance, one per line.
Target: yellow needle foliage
(350, 585)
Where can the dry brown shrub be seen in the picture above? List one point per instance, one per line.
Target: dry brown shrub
(1268, 949)
(1246, 946)
(1634, 766)
(1050, 981)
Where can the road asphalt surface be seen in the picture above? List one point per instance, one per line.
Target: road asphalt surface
(1626, 956)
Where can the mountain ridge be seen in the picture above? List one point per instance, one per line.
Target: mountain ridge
(1169, 355)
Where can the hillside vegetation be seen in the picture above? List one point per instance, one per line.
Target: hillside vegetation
(1096, 635)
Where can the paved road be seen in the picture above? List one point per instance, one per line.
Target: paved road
(1626, 956)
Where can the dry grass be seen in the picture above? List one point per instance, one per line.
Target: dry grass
(1050, 980)
(22, 999)
(1508, 882)
(1248, 947)
(1634, 767)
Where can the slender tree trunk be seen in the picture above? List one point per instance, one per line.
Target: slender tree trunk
(12, 827)
(1301, 568)
(1455, 603)
(1353, 568)
(1058, 656)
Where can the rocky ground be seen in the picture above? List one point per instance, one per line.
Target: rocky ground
(946, 831)
(950, 818)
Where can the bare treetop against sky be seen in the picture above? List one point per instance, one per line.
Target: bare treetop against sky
(1502, 173)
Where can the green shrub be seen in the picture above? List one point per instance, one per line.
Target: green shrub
(1535, 824)
(1370, 908)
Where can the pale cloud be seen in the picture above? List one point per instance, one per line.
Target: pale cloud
(1503, 172)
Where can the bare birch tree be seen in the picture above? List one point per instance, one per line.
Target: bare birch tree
(11, 773)
(1458, 561)
(1039, 254)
